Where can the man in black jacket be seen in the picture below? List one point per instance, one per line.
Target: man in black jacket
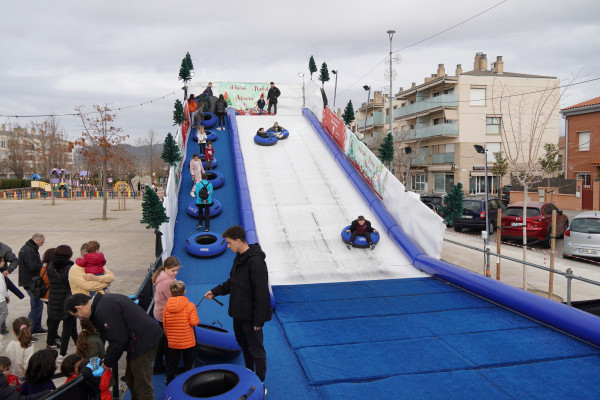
(250, 302)
(12, 262)
(272, 96)
(126, 327)
(30, 265)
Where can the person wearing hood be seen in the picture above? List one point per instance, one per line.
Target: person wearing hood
(58, 291)
(250, 301)
(179, 319)
(261, 104)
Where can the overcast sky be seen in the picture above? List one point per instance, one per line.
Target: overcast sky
(59, 54)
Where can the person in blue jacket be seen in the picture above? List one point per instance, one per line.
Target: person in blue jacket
(204, 191)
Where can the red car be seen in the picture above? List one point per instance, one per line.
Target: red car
(539, 222)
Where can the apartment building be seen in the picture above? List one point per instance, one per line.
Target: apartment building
(443, 118)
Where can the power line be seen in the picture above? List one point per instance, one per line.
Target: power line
(424, 40)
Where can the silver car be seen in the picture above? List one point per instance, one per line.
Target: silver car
(582, 239)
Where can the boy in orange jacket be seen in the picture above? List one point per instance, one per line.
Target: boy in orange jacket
(179, 319)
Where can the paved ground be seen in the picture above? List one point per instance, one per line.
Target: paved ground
(126, 244)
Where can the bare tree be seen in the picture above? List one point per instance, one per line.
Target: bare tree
(19, 155)
(98, 139)
(526, 114)
(151, 157)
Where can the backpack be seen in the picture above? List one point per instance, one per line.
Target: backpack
(203, 193)
(37, 287)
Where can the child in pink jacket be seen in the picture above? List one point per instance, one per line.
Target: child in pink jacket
(196, 170)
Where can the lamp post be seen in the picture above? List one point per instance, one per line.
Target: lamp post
(301, 75)
(408, 150)
(368, 88)
(483, 150)
(334, 90)
(390, 115)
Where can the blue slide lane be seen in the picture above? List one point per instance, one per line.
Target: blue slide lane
(570, 320)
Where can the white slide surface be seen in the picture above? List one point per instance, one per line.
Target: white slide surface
(302, 199)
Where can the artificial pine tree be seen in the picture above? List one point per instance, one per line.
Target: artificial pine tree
(184, 72)
(453, 207)
(348, 115)
(153, 214)
(324, 74)
(188, 61)
(178, 115)
(170, 153)
(386, 149)
(312, 66)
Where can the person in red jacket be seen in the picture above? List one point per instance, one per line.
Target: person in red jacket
(362, 227)
(93, 261)
(209, 154)
(179, 319)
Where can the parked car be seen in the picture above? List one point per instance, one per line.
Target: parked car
(435, 201)
(506, 193)
(539, 222)
(473, 216)
(582, 238)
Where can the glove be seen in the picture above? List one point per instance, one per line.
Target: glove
(96, 372)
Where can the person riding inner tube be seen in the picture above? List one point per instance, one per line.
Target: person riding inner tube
(361, 227)
(265, 138)
(278, 131)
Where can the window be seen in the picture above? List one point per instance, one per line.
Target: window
(477, 97)
(2, 143)
(492, 125)
(584, 141)
(443, 182)
(587, 178)
(436, 94)
(449, 91)
(477, 184)
(450, 148)
(437, 121)
(419, 182)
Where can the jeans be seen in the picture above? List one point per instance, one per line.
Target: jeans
(275, 108)
(35, 315)
(3, 312)
(202, 147)
(205, 215)
(221, 118)
(251, 342)
(261, 111)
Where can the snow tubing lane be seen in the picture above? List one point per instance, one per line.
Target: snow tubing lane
(215, 208)
(215, 178)
(285, 133)
(360, 241)
(209, 120)
(216, 342)
(205, 244)
(214, 164)
(217, 382)
(269, 141)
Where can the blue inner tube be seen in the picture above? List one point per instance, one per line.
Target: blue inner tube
(285, 133)
(217, 382)
(211, 136)
(268, 141)
(360, 241)
(209, 120)
(216, 342)
(216, 178)
(214, 163)
(205, 244)
(215, 208)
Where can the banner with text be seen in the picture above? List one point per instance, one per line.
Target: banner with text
(242, 96)
(365, 162)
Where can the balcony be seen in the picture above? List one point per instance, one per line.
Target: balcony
(442, 158)
(376, 119)
(422, 157)
(445, 100)
(440, 130)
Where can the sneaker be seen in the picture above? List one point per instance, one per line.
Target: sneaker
(264, 387)
(372, 245)
(52, 346)
(3, 330)
(60, 358)
(192, 193)
(39, 331)
(199, 226)
(206, 230)
(349, 246)
(33, 339)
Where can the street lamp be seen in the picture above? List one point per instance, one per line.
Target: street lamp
(334, 90)
(483, 150)
(408, 151)
(390, 114)
(301, 75)
(368, 88)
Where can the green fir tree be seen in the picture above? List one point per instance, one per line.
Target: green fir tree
(453, 207)
(178, 114)
(184, 72)
(312, 66)
(188, 61)
(386, 150)
(348, 115)
(170, 153)
(324, 74)
(550, 163)
(153, 212)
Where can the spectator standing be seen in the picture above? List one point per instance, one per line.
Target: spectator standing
(204, 191)
(93, 261)
(192, 106)
(11, 263)
(208, 91)
(46, 260)
(220, 112)
(209, 154)
(89, 284)
(250, 301)
(261, 104)
(272, 96)
(196, 170)
(179, 317)
(126, 327)
(30, 265)
(199, 117)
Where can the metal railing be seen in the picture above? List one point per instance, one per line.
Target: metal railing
(568, 274)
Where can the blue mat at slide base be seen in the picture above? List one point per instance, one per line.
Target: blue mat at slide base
(446, 344)
(284, 375)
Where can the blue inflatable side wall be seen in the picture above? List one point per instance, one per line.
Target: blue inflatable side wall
(567, 319)
(389, 223)
(246, 213)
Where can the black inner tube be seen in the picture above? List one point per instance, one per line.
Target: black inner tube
(210, 176)
(211, 328)
(210, 383)
(206, 239)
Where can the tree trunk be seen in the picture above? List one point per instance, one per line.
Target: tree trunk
(104, 188)
(525, 189)
(52, 192)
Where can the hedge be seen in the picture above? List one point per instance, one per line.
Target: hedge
(14, 183)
